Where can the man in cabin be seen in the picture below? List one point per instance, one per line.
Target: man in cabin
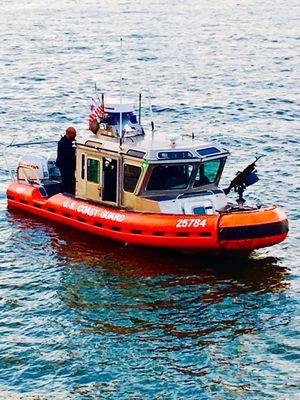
(66, 160)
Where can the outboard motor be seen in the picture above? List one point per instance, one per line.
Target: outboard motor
(54, 172)
(32, 168)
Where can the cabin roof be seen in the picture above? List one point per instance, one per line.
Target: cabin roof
(117, 108)
(113, 105)
(154, 146)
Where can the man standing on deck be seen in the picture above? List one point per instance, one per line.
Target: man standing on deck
(66, 160)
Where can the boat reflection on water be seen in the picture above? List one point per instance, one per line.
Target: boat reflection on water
(257, 272)
(153, 308)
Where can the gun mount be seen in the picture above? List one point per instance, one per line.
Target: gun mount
(242, 180)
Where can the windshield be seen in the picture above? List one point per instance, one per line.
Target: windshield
(127, 118)
(181, 176)
(170, 177)
(207, 173)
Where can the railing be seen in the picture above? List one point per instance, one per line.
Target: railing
(12, 144)
(29, 181)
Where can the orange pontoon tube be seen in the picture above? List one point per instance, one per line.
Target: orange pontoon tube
(259, 228)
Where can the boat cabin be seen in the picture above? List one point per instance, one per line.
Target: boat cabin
(149, 174)
(134, 171)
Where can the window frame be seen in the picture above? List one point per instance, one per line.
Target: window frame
(83, 166)
(218, 174)
(140, 174)
(99, 170)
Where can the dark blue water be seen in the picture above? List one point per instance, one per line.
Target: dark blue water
(86, 318)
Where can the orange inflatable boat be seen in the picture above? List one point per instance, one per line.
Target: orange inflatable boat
(241, 230)
(147, 191)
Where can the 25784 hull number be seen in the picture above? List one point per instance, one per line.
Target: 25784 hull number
(191, 222)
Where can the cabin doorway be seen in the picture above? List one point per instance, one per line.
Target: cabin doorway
(110, 179)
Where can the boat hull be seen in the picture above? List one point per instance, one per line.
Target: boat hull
(236, 231)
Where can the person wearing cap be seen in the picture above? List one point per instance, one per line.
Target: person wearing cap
(66, 160)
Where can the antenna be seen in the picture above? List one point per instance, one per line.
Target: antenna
(150, 106)
(140, 107)
(121, 87)
(96, 91)
(150, 109)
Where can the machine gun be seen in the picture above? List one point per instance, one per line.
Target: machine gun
(243, 179)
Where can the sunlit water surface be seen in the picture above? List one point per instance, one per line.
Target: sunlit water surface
(85, 318)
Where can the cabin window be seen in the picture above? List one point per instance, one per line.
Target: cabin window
(114, 118)
(207, 173)
(170, 177)
(208, 151)
(131, 177)
(136, 153)
(174, 155)
(93, 170)
(82, 166)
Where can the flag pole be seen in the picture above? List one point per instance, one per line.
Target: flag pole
(102, 101)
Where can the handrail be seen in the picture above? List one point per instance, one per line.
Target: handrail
(26, 177)
(30, 143)
(12, 144)
(195, 193)
(39, 183)
(6, 161)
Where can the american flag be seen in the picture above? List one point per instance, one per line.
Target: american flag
(96, 112)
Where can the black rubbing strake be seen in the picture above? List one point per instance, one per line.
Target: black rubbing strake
(254, 231)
